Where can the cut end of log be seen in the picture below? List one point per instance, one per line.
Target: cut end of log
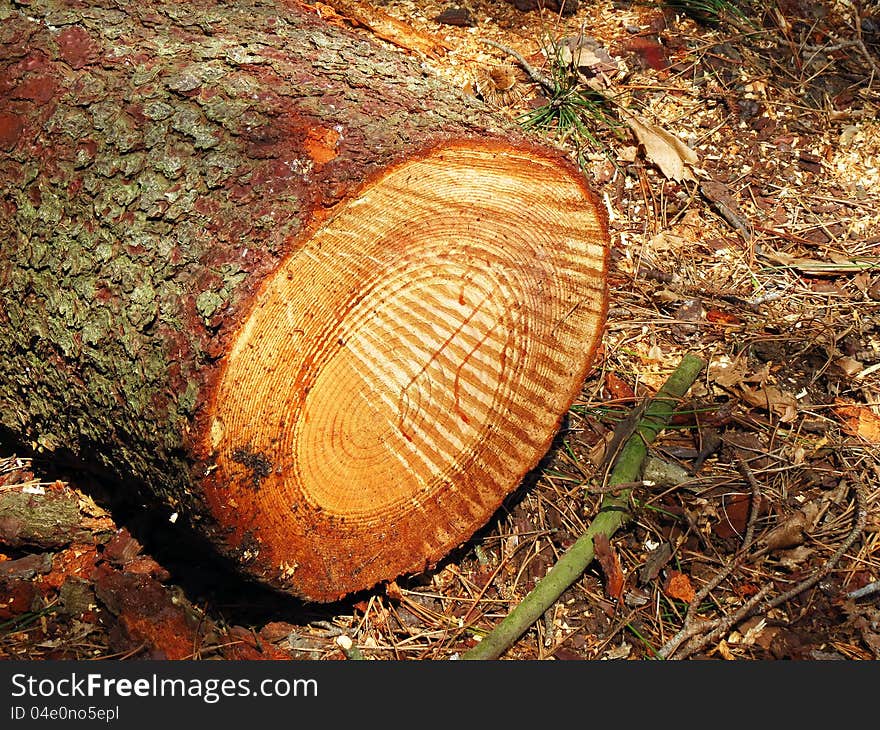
(407, 365)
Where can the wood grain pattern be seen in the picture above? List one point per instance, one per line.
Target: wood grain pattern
(408, 364)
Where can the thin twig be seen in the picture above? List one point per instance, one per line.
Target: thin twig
(859, 41)
(749, 476)
(608, 488)
(721, 626)
(532, 72)
(867, 590)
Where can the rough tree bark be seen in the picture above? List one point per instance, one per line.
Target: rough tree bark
(325, 310)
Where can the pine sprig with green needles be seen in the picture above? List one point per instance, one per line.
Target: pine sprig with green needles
(709, 12)
(573, 112)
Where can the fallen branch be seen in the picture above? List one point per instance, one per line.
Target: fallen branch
(46, 515)
(613, 513)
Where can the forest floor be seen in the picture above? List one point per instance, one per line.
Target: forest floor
(739, 163)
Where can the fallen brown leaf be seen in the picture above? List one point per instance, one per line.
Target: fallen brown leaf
(859, 421)
(796, 557)
(849, 366)
(564, 654)
(655, 562)
(788, 533)
(618, 388)
(664, 149)
(746, 589)
(774, 399)
(719, 317)
(678, 587)
(724, 650)
(688, 317)
(871, 638)
(728, 374)
(749, 446)
(599, 450)
(735, 514)
(766, 637)
(610, 563)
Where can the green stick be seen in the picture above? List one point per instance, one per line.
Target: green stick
(613, 513)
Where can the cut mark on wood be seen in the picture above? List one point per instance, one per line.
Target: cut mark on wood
(412, 349)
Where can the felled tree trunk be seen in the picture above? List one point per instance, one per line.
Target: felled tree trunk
(325, 310)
